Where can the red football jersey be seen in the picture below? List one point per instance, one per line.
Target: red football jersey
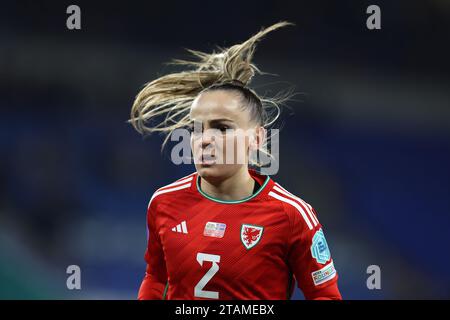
(256, 248)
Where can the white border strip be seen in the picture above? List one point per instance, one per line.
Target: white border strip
(176, 183)
(157, 193)
(294, 204)
(306, 205)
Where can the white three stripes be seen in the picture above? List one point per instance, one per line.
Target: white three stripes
(181, 227)
(301, 206)
(305, 205)
(178, 185)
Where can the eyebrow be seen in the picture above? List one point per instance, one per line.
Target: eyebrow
(220, 120)
(214, 121)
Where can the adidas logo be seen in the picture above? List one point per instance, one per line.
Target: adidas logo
(181, 227)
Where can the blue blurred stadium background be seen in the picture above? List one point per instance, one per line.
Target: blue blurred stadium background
(368, 144)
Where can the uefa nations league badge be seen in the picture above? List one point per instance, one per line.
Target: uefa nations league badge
(214, 229)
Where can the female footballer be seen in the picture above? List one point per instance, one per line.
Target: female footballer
(226, 231)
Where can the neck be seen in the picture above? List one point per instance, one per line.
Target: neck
(236, 187)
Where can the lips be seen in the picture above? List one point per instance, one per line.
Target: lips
(208, 162)
(206, 159)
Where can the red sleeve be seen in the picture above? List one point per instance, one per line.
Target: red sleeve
(154, 283)
(309, 256)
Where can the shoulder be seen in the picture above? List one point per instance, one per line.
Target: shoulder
(297, 210)
(172, 190)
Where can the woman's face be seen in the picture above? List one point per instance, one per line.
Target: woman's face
(222, 134)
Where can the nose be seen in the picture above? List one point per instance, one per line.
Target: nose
(207, 139)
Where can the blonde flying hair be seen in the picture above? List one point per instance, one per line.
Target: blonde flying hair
(171, 95)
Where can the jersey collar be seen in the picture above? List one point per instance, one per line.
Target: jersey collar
(265, 181)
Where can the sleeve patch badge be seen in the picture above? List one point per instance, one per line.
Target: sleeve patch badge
(323, 275)
(319, 248)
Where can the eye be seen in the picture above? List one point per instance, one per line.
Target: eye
(193, 125)
(223, 128)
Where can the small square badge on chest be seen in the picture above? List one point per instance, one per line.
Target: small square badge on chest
(214, 229)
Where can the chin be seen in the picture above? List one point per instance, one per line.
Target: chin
(210, 171)
(216, 171)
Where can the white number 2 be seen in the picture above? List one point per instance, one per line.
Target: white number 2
(198, 291)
